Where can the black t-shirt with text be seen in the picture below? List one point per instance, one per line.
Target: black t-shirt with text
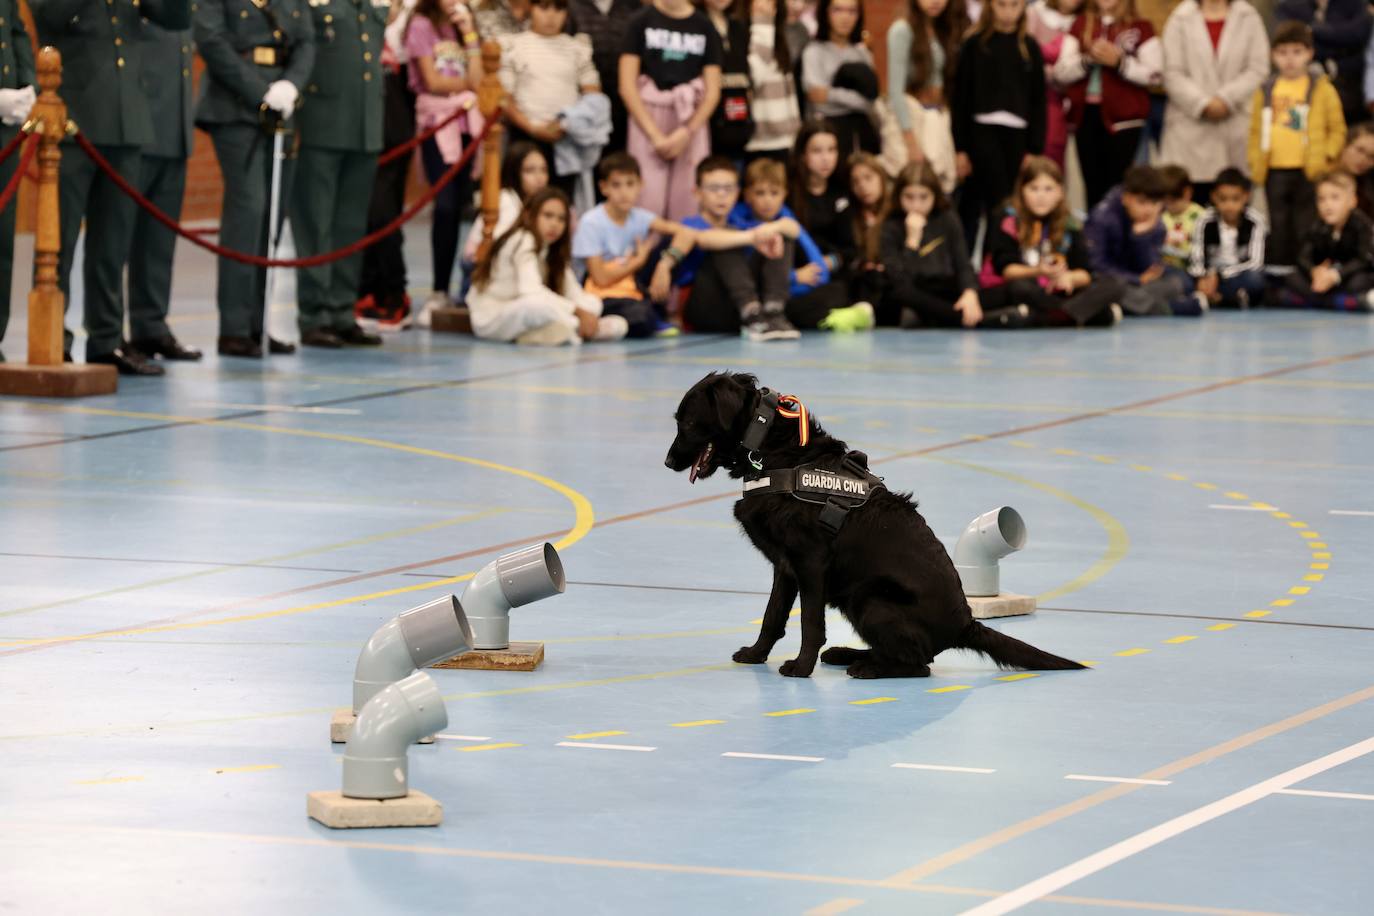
(672, 51)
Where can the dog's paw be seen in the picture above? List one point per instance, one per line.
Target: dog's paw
(843, 655)
(797, 668)
(749, 655)
(863, 670)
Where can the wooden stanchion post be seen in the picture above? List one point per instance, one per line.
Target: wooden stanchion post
(45, 374)
(491, 95)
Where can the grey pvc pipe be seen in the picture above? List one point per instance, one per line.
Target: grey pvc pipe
(987, 539)
(374, 762)
(514, 580)
(420, 637)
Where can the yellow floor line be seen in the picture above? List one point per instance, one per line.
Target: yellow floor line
(698, 723)
(1281, 602)
(488, 747)
(951, 689)
(789, 712)
(1180, 639)
(586, 735)
(1127, 653)
(1025, 675)
(1258, 614)
(1220, 627)
(872, 700)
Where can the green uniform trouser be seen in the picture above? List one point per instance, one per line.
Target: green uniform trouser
(7, 232)
(162, 181)
(85, 192)
(245, 161)
(328, 212)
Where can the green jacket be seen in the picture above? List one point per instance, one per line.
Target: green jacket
(102, 73)
(226, 32)
(342, 109)
(167, 60)
(16, 52)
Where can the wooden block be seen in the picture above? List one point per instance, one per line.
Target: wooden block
(64, 380)
(334, 809)
(453, 320)
(1004, 605)
(521, 656)
(341, 727)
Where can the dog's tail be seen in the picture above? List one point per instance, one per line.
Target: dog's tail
(1009, 652)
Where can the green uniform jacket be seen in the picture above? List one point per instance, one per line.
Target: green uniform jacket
(342, 109)
(167, 83)
(102, 75)
(227, 31)
(16, 52)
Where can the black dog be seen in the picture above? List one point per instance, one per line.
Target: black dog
(883, 568)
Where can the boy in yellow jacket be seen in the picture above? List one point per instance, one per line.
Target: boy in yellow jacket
(1297, 131)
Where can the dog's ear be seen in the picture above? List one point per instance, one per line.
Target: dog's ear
(732, 392)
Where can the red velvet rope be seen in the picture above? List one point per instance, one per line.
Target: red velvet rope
(400, 150)
(13, 187)
(312, 261)
(13, 145)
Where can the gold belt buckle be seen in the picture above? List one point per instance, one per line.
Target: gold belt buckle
(265, 57)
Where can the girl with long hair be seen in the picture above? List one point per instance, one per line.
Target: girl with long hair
(1037, 261)
(922, 54)
(776, 110)
(1048, 22)
(525, 289)
(817, 193)
(870, 191)
(838, 75)
(998, 108)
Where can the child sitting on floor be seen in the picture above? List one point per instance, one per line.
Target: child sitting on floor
(1180, 216)
(1334, 264)
(525, 290)
(1228, 246)
(1125, 237)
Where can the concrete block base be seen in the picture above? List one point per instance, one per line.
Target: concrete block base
(341, 726)
(1003, 605)
(334, 809)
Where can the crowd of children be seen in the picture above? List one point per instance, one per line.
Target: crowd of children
(768, 187)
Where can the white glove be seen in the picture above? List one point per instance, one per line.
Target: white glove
(15, 104)
(281, 97)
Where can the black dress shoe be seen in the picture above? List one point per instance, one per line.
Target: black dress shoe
(167, 347)
(128, 361)
(239, 346)
(279, 347)
(319, 337)
(355, 336)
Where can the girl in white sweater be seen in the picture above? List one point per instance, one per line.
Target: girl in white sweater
(525, 290)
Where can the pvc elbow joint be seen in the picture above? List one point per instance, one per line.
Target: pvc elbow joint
(514, 580)
(374, 762)
(987, 539)
(420, 637)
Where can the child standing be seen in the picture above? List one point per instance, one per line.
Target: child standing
(1297, 131)
(839, 33)
(816, 299)
(1037, 257)
(670, 82)
(732, 124)
(545, 70)
(1180, 216)
(1048, 23)
(922, 49)
(1125, 237)
(614, 240)
(1109, 61)
(926, 260)
(998, 107)
(776, 111)
(1335, 270)
(1228, 246)
(525, 290)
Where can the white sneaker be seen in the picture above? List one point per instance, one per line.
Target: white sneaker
(1203, 303)
(433, 301)
(611, 327)
(1117, 314)
(553, 334)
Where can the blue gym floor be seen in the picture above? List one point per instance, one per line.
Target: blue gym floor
(190, 567)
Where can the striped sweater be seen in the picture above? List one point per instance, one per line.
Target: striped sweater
(777, 114)
(1225, 251)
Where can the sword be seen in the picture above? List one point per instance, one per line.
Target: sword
(274, 221)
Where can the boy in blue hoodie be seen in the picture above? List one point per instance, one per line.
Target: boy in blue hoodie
(1125, 236)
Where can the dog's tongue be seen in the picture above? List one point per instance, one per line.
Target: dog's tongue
(700, 464)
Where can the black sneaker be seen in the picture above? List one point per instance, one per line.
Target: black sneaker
(770, 324)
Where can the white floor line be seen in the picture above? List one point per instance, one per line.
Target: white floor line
(464, 737)
(606, 747)
(1091, 865)
(1353, 796)
(1241, 508)
(280, 408)
(772, 757)
(931, 766)
(1136, 782)
(1349, 512)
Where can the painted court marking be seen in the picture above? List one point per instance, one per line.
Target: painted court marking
(1350, 512)
(1264, 508)
(772, 757)
(789, 712)
(1125, 779)
(698, 723)
(489, 747)
(585, 735)
(607, 747)
(943, 769)
(1091, 865)
(1353, 796)
(464, 737)
(835, 907)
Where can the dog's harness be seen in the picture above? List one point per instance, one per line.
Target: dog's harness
(836, 492)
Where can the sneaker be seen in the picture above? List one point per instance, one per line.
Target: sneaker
(433, 301)
(666, 329)
(553, 334)
(1117, 313)
(769, 324)
(611, 327)
(1012, 318)
(1203, 303)
(857, 317)
(396, 318)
